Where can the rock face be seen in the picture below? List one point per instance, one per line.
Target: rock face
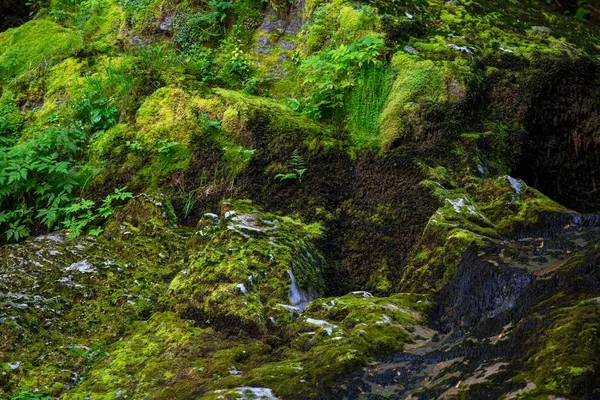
(329, 200)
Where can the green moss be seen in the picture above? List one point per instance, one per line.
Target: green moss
(563, 358)
(419, 84)
(167, 114)
(337, 336)
(62, 85)
(473, 219)
(525, 209)
(103, 28)
(168, 358)
(339, 22)
(35, 46)
(78, 297)
(11, 118)
(365, 104)
(284, 127)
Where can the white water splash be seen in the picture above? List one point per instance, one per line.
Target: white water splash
(242, 288)
(328, 327)
(460, 203)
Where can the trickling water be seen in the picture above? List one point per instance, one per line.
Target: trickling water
(517, 185)
(298, 297)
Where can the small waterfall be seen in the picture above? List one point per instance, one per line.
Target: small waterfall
(298, 297)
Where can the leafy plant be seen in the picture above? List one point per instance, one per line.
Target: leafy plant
(26, 394)
(294, 104)
(38, 183)
(237, 157)
(96, 109)
(134, 145)
(201, 62)
(236, 69)
(330, 74)
(193, 30)
(39, 175)
(36, 5)
(78, 216)
(297, 167)
(85, 216)
(206, 123)
(166, 146)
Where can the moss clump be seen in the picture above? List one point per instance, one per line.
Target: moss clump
(105, 24)
(61, 86)
(146, 214)
(35, 46)
(419, 85)
(554, 368)
(157, 145)
(511, 211)
(168, 358)
(560, 355)
(11, 118)
(167, 114)
(473, 219)
(339, 22)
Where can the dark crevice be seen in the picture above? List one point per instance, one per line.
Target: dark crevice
(560, 155)
(13, 13)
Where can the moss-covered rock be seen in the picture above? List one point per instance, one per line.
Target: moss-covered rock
(65, 301)
(499, 208)
(337, 336)
(251, 269)
(419, 85)
(35, 46)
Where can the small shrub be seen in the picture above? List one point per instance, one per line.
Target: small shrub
(97, 109)
(38, 183)
(193, 30)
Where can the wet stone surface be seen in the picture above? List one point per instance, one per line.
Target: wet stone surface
(480, 318)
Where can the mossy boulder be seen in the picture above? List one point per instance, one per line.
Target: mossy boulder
(252, 269)
(335, 337)
(420, 85)
(34, 46)
(494, 209)
(167, 358)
